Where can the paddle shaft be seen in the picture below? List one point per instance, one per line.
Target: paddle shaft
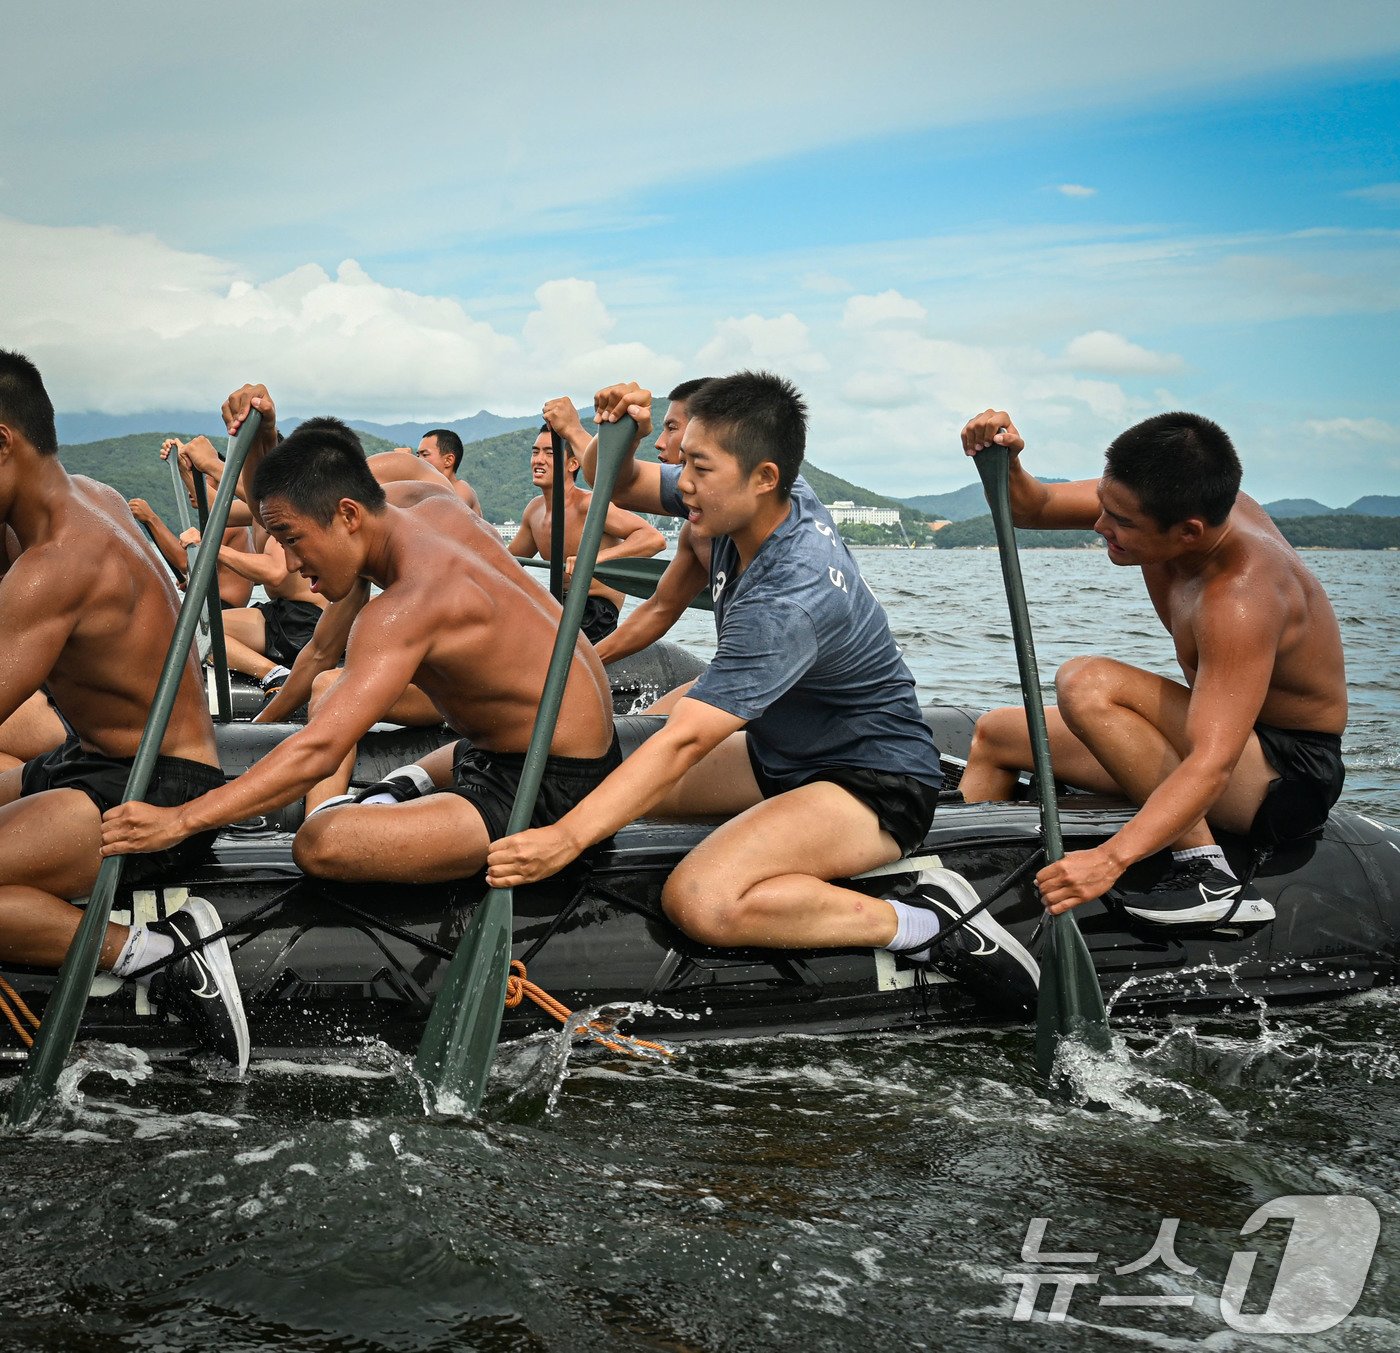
(994, 465)
(556, 521)
(64, 1011)
(223, 689)
(459, 1042)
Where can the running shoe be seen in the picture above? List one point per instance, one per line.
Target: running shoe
(982, 954)
(1196, 892)
(199, 988)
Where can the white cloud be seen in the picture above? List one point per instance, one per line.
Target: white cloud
(1382, 194)
(888, 308)
(120, 323)
(782, 343)
(1375, 430)
(1075, 190)
(1111, 354)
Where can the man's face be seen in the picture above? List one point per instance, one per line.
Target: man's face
(1131, 535)
(719, 497)
(668, 444)
(324, 555)
(431, 454)
(542, 462)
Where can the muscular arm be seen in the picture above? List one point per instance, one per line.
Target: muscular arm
(684, 577)
(468, 495)
(164, 539)
(635, 539)
(1045, 507)
(523, 545)
(268, 566)
(382, 658)
(641, 782)
(328, 642)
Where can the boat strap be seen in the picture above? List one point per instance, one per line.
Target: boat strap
(224, 932)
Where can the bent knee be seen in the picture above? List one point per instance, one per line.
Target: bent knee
(1000, 730)
(703, 911)
(1088, 682)
(315, 848)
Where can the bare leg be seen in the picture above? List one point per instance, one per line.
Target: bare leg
(30, 731)
(245, 638)
(428, 840)
(761, 878)
(48, 852)
(669, 701)
(1134, 723)
(1001, 750)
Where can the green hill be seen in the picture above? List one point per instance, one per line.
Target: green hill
(1342, 531)
(977, 532)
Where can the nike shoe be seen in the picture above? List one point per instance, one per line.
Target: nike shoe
(982, 954)
(199, 987)
(1196, 892)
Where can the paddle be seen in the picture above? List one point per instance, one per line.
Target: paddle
(182, 510)
(635, 577)
(1071, 1003)
(65, 1008)
(222, 684)
(459, 1042)
(556, 519)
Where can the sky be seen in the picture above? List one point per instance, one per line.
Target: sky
(1083, 214)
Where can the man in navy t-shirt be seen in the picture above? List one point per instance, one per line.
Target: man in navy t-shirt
(805, 730)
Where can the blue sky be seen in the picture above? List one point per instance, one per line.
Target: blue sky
(1083, 214)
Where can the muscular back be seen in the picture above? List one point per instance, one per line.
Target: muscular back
(485, 628)
(98, 614)
(1260, 575)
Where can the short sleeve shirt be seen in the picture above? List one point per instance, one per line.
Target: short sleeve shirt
(805, 655)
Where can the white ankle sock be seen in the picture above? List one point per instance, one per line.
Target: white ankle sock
(918, 927)
(142, 947)
(1214, 854)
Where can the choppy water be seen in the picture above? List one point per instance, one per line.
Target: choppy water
(867, 1192)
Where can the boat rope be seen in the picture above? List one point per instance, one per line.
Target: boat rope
(519, 986)
(8, 994)
(1004, 887)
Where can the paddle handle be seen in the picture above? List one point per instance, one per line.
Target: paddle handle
(223, 686)
(64, 1011)
(994, 466)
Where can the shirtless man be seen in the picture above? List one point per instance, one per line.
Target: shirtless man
(478, 649)
(625, 535)
(1250, 741)
(442, 449)
(685, 575)
(804, 731)
(234, 589)
(263, 640)
(87, 612)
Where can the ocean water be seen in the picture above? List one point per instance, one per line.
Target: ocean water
(803, 1193)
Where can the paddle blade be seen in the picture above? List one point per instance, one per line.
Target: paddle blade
(1071, 1001)
(459, 1043)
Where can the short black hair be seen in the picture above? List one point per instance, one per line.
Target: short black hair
(756, 416)
(450, 444)
(1179, 465)
(318, 465)
(25, 404)
(685, 389)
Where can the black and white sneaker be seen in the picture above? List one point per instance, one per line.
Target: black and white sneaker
(982, 954)
(200, 988)
(1196, 892)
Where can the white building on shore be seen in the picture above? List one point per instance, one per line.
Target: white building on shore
(844, 511)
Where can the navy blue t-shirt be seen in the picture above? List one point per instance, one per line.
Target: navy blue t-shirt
(805, 653)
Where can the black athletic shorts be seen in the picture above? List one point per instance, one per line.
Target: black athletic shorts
(488, 780)
(289, 626)
(103, 779)
(902, 805)
(1310, 781)
(599, 619)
